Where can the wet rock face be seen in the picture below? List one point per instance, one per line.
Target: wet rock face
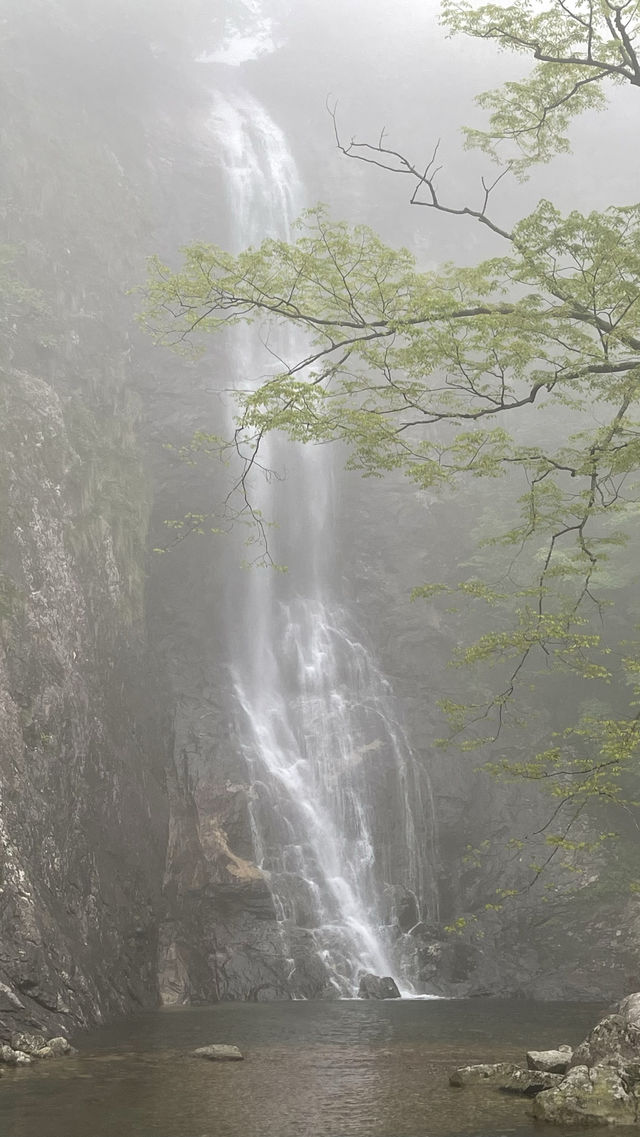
(85, 721)
(220, 939)
(81, 761)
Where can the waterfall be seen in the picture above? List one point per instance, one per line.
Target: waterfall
(340, 810)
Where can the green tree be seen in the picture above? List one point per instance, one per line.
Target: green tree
(525, 366)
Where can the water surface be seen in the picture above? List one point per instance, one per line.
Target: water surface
(345, 1069)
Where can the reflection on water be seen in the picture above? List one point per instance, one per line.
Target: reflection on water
(346, 1069)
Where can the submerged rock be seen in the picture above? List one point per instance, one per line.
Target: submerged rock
(218, 1052)
(586, 1096)
(553, 1061)
(378, 987)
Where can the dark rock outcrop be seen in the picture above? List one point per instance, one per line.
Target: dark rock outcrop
(81, 757)
(378, 987)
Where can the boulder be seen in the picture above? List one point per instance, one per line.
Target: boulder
(27, 1043)
(378, 987)
(44, 1052)
(60, 1046)
(553, 1061)
(588, 1097)
(528, 1082)
(616, 1035)
(218, 1053)
(13, 1057)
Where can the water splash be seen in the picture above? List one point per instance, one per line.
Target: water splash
(336, 790)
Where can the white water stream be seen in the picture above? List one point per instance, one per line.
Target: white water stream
(341, 813)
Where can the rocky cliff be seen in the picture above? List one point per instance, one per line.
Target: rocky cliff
(85, 732)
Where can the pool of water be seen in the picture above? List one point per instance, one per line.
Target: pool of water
(346, 1069)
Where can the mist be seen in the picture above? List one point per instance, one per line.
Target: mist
(228, 785)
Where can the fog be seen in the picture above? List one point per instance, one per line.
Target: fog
(225, 783)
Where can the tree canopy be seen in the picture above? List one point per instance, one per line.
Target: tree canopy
(525, 366)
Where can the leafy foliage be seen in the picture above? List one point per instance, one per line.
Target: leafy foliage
(526, 365)
(578, 47)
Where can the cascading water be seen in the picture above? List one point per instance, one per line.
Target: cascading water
(341, 813)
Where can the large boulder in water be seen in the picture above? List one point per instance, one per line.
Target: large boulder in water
(615, 1036)
(378, 987)
(602, 1086)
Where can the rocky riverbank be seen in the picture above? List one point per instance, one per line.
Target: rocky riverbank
(598, 1083)
(26, 1048)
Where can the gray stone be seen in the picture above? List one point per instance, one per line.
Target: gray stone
(588, 1097)
(378, 987)
(617, 1034)
(59, 1046)
(28, 1043)
(528, 1082)
(44, 1052)
(482, 1072)
(218, 1052)
(553, 1061)
(13, 1057)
